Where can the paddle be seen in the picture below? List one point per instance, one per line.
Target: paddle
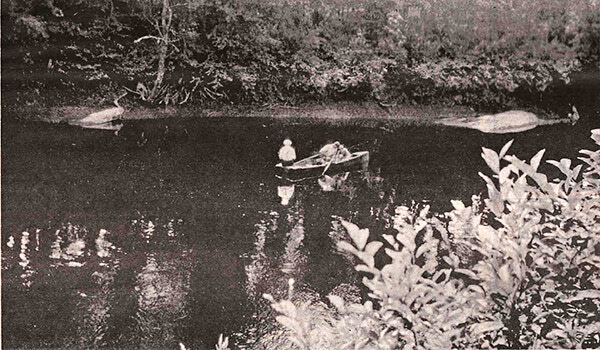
(329, 164)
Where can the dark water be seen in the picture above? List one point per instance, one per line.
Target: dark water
(171, 231)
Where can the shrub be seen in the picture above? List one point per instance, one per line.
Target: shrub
(519, 269)
(462, 51)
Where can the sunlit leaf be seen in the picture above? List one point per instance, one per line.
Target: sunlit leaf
(288, 308)
(535, 160)
(345, 246)
(394, 254)
(566, 164)
(466, 272)
(556, 333)
(504, 174)
(576, 171)
(365, 268)
(505, 148)
(407, 242)
(491, 158)
(336, 301)
(290, 323)
(555, 163)
(452, 260)
(373, 247)
(458, 205)
(596, 136)
(358, 236)
(485, 327)
(390, 239)
(425, 247)
(583, 295)
(366, 258)
(504, 274)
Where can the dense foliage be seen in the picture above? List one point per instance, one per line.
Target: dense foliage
(520, 269)
(251, 51)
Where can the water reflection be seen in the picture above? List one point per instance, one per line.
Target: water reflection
(103, 246)
(69, 246)
(108, 296)
(285, 192)
(24, 255)
(278, 254)
(162, 286)
(332, 183)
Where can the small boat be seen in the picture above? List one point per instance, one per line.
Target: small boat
(307, 167)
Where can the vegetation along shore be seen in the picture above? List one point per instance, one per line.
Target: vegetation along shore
(216, 54)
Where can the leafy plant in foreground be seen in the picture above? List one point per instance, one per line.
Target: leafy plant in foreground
(521, 269)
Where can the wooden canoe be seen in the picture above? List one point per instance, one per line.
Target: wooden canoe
(307, 167)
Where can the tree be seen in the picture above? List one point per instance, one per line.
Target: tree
(163, 40)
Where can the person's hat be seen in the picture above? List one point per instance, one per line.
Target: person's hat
(287, 142)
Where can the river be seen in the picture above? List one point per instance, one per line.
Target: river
(172, 230)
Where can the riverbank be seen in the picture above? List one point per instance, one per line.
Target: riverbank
(51, 106)
(331, 111)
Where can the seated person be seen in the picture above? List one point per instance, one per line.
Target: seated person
(333, 152)
(287, 153)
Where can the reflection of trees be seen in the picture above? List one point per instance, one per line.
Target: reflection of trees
(277, 254)
(360, 197)
(121, 327)
(161, 288)
(83, 292)
(39, 301)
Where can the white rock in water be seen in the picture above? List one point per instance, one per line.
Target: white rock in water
(103, 116)
(507, 122)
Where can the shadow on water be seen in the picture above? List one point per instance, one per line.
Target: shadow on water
(174, 229)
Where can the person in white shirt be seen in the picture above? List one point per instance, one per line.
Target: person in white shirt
(287, 153)
(334, 152)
